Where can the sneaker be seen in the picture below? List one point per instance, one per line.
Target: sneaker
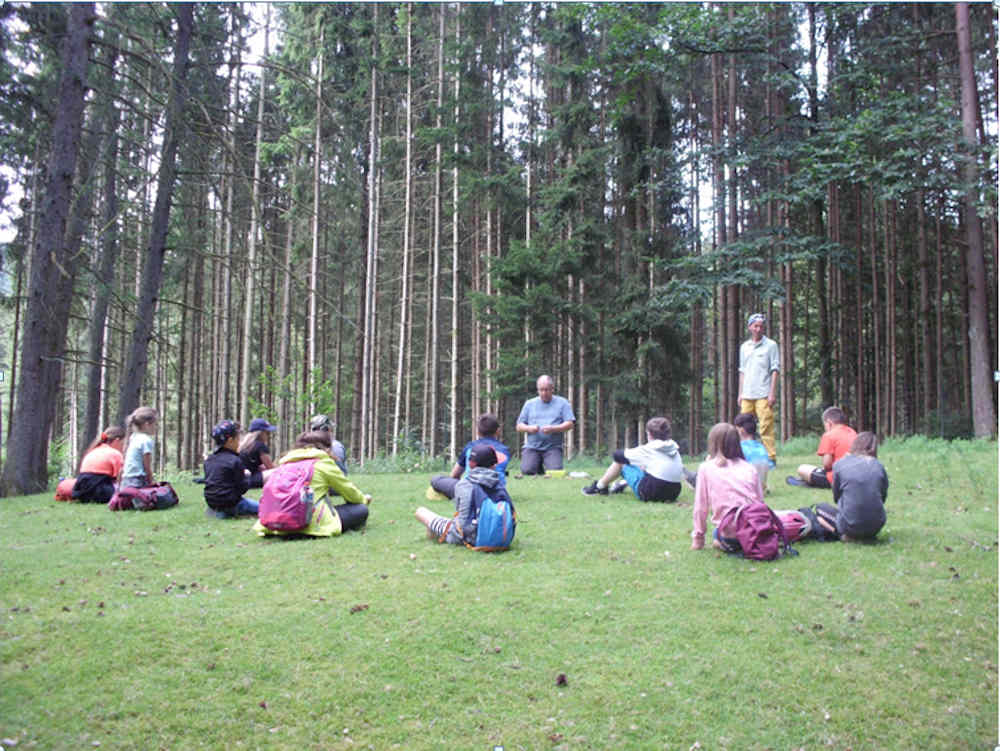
(796, 481)
(199, 480)
(592, 489)
(619, 486)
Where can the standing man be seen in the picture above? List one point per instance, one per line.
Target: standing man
(759, 366)
(544, 419)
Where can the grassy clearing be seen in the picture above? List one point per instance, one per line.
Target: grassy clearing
(170, 630)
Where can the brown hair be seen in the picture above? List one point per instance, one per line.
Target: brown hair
(724, 443)
(865, 444)
(319, 439)
(487, 425)
(658, 427)
(109, 434)
(835, 415)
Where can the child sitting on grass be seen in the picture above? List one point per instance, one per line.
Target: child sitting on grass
(725, 481)
(255, 451)
(653, 470)
(461, 529)
(100, 467)
(488, 427)
(226, 479)
(860, 487)
(754, 450)
(327, 481)
(833, 444)
(137, 472)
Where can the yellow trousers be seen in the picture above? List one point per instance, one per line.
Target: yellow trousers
(765, 422)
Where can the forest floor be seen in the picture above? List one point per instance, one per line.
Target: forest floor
(599, 629)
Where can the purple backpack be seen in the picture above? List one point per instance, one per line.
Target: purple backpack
(286, 501)
(150, 498)
(759, 531)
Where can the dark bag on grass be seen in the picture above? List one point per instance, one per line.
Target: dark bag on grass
(759, 531)
(150, 498)
(286, 504)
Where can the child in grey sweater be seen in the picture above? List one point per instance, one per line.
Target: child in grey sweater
(860, 487)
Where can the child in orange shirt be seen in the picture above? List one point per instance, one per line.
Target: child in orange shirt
(833, 445)
(100, 468)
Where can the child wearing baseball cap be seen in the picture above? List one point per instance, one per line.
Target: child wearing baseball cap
(226, 479)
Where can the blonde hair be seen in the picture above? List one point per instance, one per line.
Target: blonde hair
(250, 439)
(141, 417)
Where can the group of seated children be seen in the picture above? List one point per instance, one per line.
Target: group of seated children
(230, 471)
(236, 466)
(108, 463)
(726, 480)
(733, 474)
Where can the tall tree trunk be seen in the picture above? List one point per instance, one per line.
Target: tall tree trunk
(404, 279)
(248, 307)
(453, 449)
(733, 325)
(924, 339)
(314, 256)
(108, 241)
(877, 329)
(368, 328)
(983, 413)
(285, 322)
(436, 251)
(25, 470)
(152, 272)
(722, 397)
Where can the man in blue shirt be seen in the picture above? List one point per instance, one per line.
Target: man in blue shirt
(544, 419)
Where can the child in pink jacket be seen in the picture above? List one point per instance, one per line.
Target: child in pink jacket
(725, 481)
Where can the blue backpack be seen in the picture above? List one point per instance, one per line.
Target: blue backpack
(497, 521)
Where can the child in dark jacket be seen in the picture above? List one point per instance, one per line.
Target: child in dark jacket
(226, 479)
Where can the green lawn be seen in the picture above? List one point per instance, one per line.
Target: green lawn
(169, 630)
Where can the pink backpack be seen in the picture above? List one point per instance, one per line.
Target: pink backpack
(759, 531)
(286, 503)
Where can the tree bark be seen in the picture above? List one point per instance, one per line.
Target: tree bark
(26, 468)
(983, 413)
(404, 279)
(108, 243)
(248, 307)
(152, 272)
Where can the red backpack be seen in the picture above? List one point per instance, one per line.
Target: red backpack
(759, 531)
(286, 502)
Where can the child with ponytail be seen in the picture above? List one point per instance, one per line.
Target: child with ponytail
(102, 464)
(138, 469)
